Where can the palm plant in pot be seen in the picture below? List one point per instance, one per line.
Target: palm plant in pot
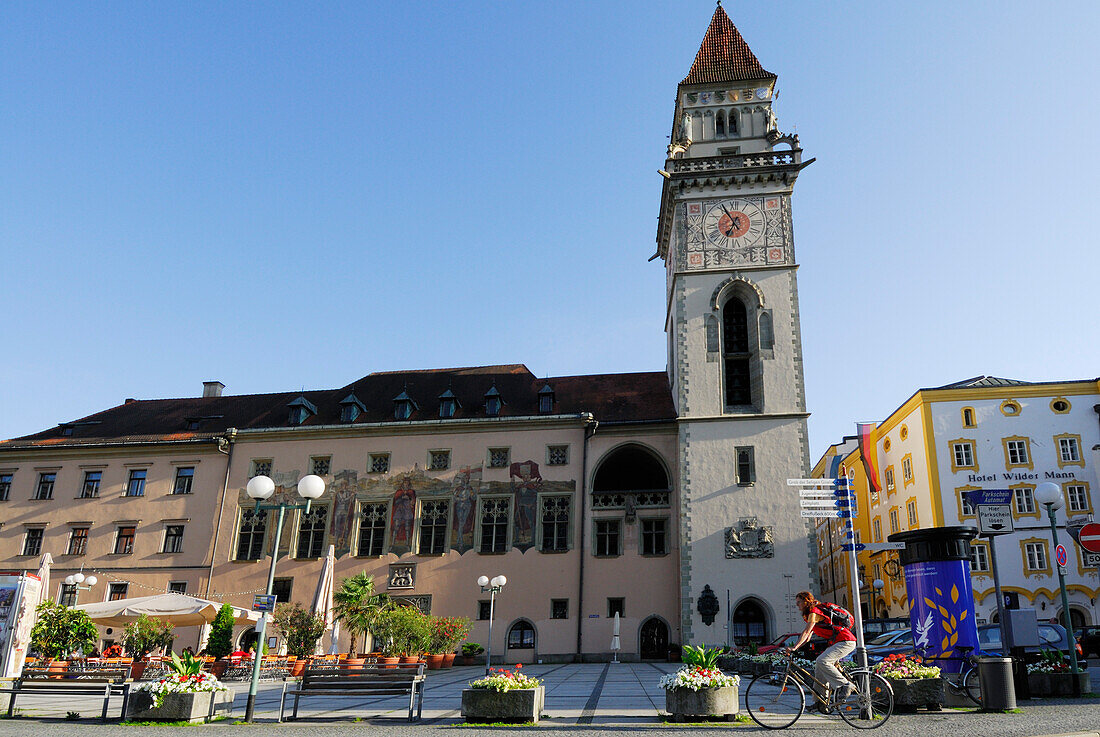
(61, 631)
(301, 630)
(361, 610)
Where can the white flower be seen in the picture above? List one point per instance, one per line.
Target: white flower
(175, 683)
(695, 678)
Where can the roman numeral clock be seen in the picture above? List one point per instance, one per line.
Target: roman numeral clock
(739, 231)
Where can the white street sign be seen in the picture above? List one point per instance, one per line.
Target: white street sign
(1092, 560)
(833, 503)
(817, 493)
(820, 513)
(995, 519)
(884, 546)
(811, 482)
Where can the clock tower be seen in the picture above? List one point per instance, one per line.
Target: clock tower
(734, 346)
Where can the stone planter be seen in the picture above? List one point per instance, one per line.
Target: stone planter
(1056, 684)
(911, 694)
(178, 707)
(759, 669)
(683, 704)
(486, 705)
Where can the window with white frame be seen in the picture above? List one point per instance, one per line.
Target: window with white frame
(964, 454)
(177, 587)
(68, 594)
(907, 469)
(967, 507)
(495, 512)
(555, 524)
(1069, 450)
(135, 485)
(1036, 556)
(117, 591)
(373, 520)
(250, 535)
(434, 515)
(608, 534)
(32, 541)
(78, 541)
(1017, 452)
(185, 477)
(173, 539)
(876, 526)
(911, 512)
(5, 485)
(311, 532)
(890, 478)
(1077, 495)
(44, 490)
(90, 489)
(1024, 497)
(979, 558)
(893, 520)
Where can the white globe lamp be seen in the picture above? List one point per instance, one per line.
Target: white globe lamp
(260, 487)
(311, 487)
(1048, 493)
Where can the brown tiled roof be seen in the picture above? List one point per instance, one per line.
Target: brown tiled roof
(724, 56)
(609, 397)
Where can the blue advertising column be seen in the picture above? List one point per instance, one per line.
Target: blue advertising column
(941, 598)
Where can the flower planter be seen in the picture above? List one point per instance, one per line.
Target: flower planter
(448, 660)
(911, 694)
(759, 669)
(353, 662)
(297, 667)
(137, 669)
(388, 661)
(486, 705)
(409, 659)
(684, 704)
(435, 661)
(219, 667)
(57, 668)
(178, 707)
(1056, 684)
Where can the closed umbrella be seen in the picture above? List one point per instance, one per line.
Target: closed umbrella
(322, 599)
(44, 575)
(615, 644)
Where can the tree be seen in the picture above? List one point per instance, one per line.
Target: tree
(61, 631)
(146, 634)
(357, 605)
(301, 629)
(220, 642)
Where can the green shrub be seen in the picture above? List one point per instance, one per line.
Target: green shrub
(220, 642)
(60, 631)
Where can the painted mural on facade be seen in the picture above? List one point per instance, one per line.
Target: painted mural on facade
(403, 490)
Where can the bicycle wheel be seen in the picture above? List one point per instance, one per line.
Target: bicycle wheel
(972, 687)
(774, 700)
(870, 705)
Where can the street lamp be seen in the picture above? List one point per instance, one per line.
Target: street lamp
(261, 488)
(78, 578)
(492, 588)
(1050, 496)
(878, 585)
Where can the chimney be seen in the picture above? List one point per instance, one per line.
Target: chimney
(212, 388)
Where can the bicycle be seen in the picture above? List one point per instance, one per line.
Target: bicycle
(968, 683)
(776, 700)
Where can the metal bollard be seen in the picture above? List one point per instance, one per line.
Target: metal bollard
(998, 690)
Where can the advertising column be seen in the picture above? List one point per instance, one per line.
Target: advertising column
(941, 598)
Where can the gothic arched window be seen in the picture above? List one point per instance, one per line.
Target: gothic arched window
(733, 122)
(720, 124)
(736, 355)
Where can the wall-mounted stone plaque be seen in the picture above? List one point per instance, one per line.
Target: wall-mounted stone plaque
(402, 576)
(749, 539)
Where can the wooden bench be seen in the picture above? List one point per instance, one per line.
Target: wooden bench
(371, 680)
(105, 683)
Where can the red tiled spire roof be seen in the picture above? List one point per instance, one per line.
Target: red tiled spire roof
(724, 56)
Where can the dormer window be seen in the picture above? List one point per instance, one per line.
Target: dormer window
(301, 409)
(351, 408)
(403, 406)
(448, 403)
(493, 401)
(546, 399)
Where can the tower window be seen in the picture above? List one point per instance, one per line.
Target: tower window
(736, 356)
(746, 466)
(720, 124)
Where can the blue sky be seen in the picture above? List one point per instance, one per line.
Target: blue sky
(292, 195)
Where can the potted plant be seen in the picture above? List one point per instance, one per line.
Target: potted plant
(915, 684)
(301, 630)
(219, 644)
(141, 637)
(1050, 675)
(700, 690)
(470, 653)
(361, 610)
(61, 631)
(410, 632)
(446, 633)
(504, 696)
(185, 694)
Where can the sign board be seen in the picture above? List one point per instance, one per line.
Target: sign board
(816, 494)
(1089, 537)
(263, 603)
(833, 503)
(975, 497)
(822, 513)
(885, 546)
(811, 482)
(854, 546)
(1092, 560)
(994, 519)
(1060, 555)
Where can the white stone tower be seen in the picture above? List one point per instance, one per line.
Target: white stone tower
(734, 346)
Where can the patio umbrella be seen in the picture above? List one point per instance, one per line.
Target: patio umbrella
(322, 599)
(44, 574)
(179, 609)
(615, 645)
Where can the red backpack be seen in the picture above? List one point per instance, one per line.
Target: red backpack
(838, 616)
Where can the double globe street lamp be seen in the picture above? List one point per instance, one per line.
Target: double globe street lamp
(1050, 496)
(492, 588)
(74, 580)
(261, 488)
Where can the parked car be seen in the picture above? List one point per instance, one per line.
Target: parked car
(874, 627)
(889, 643)
(1089, 640)
(810, 650)
(1051, 637)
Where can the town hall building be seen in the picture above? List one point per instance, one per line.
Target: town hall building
(660, 497)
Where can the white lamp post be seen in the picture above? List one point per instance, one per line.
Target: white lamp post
(78, 578)
(1050, 496)
(492, 588)
(261, 488)
(878, 585)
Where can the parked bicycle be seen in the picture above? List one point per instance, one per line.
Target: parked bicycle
(776, 700)
(968, 683)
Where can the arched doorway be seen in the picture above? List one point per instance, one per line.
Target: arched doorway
(654, 639)
(247, 639)
(749, 623)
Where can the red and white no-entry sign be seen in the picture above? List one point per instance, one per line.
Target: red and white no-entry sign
(1089, 537)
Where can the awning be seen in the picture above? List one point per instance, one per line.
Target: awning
(179, 609)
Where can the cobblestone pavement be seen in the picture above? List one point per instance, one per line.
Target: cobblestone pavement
(624, 698)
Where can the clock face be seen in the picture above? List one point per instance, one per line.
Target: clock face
(733, 224)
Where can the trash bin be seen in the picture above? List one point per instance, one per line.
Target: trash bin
(998, 691)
